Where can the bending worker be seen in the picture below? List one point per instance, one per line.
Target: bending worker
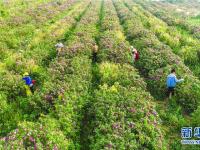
(59, 47)
(171, 83)
(29, 84)
(135, 54)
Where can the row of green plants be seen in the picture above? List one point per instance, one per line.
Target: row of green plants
(37, 51)
(195, 20)
(184, 9)
(30, 52)
(77, 75)
(44, 134)
(16, 65)
(171, 19)
(33, 14)
(156, 76)
(122, 113)
(8, 9)
(154, 55)
(21, 29)
(12, 87)
(66, 92)
(40, 51)
(124, 117)
(157, 60)
(187, 47)
(187, 42)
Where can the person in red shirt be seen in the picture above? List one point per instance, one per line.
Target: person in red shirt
(135, 54)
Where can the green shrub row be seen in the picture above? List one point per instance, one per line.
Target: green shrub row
(42, 49)
(17, 7)
(12, 87)
(44, 134)
(66, 91)
(124, 118)
(122, 112)
(72, 76)
(183, 45)
(172, 20)
(156, 61)
(21, 29)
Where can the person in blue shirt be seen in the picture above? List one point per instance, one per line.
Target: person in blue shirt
(28, 81)
(171, 83)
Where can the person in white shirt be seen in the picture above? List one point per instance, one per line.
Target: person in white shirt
(59, 47)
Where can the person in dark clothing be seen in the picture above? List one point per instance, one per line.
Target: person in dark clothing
(95, 51)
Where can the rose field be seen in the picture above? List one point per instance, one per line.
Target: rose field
(93, 100)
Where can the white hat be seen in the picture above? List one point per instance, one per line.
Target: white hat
(59, 45)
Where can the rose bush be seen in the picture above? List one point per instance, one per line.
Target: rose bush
(122, 115)
(45, 134)
(71, 78)
(124, 74)
(182, 44)
(150, 60)
(171, 19)
(51, 93)
(124, 119)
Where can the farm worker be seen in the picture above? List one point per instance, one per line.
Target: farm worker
(135, 54)
(95, 51)
(59, 47)
(171, 83)
(61, 95)
(29, 84)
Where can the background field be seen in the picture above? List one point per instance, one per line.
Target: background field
(105, 103)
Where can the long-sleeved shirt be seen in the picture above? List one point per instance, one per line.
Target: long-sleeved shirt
(172, 80)
(27, 80)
